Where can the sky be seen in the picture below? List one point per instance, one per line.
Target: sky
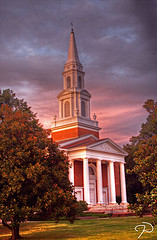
(117, 46)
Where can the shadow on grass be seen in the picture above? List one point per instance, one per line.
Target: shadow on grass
(102, 229)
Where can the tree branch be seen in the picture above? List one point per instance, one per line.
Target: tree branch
(5, 224)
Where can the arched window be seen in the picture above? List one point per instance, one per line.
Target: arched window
(68, 82)
(67, 109)
(83, 109)
(79, 82)
(91, 171)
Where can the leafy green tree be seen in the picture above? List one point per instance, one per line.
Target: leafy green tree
(8, 97)
(148, 130)
(146, 170)
(33, 172)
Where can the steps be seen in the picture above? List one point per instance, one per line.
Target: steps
(108, 209)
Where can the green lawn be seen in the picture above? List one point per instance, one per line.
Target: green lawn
(110, 228)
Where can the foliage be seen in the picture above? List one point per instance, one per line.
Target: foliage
(148, 130)
(33, 172)
(146, 169)
(81, 206)
(146, 203)
(8, 97)
(146, 162)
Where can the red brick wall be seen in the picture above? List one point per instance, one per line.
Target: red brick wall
(104, 176)
(64, 134)
(72, 133)
(82, 131)
(78, 173)
(117, 179)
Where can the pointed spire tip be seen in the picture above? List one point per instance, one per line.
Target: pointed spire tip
(72, 30)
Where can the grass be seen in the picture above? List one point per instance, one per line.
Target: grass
(102, 229)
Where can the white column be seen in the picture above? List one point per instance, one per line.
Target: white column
(112, 183)
(99, 182)
(71, 171)
(123, 184)
(86, 180)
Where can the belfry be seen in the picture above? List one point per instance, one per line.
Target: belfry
(97, 165)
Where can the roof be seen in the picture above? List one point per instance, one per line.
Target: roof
(72, 54)
(90, 142)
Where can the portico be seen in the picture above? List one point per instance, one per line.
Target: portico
(92, 159)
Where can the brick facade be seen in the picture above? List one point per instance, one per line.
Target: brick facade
(104, 175)
(64, 134)
(117, 179)
(82, 131)
(72, 133)
(78, 173)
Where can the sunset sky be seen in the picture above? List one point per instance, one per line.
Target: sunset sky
(117, 45)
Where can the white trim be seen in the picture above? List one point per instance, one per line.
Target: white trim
(78, 152)
(75, 140)
(72, 121)
(79, 189)
(74, 125)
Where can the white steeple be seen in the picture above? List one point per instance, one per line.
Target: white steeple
(73, 75)
(72, 54)
(74, 100)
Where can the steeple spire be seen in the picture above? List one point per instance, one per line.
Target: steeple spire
(71, 26)
(72, 54)
(74, 100)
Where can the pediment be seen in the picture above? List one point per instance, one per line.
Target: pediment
(107, 146)
(85, 92)
(63, 93)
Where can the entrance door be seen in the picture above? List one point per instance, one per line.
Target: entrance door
(92, 189)
(105, 201)
(92, 184)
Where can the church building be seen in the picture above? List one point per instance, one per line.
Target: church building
(96, 165)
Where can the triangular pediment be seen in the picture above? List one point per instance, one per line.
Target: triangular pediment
(69, 91)
(85, 92)
(107, 146)
(63, 93)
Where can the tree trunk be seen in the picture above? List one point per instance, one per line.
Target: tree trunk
(15, 233)
(14, 230)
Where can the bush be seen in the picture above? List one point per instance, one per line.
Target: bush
(81, 206)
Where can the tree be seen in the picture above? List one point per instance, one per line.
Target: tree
(33, 172)
(146, 170)
(148, 130)
(8, 97)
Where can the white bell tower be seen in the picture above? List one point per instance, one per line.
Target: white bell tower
(74, 99)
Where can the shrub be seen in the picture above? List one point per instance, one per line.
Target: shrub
(81, 206)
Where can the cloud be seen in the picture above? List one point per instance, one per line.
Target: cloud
(116, 45)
